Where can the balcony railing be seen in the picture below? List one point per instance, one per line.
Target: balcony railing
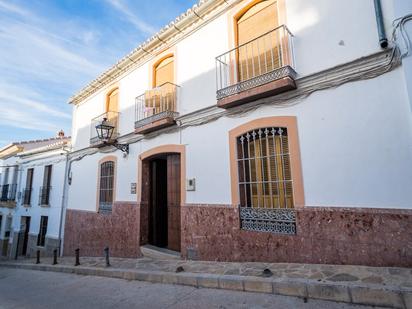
(8, 192)
(156, 108)
(264, 59)
(44, 196)
(111, 118)
(26, 196)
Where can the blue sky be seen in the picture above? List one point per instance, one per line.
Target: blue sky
(49, 49)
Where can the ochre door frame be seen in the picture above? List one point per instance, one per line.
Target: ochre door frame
(164, 149)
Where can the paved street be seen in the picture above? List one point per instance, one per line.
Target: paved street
(36, 289)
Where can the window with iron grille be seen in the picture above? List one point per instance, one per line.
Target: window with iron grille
(41, 238)
(265, 181)
(106, 186)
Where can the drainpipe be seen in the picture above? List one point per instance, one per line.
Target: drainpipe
(63, 204)
(383, 40)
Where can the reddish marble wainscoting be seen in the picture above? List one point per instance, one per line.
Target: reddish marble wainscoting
(92, 232)
(374, 237)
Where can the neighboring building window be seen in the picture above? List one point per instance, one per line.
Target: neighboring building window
(41, 238)
(5, 187)
(9, 221)
(265, 181)
(27, 191)
(44, 197)
(106, 186)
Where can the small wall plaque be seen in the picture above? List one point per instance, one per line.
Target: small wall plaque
(191, 184)
(133, 188)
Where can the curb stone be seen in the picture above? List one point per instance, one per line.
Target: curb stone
(375, 295)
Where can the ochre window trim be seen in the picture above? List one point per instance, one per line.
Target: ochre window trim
(99, 164)
(290, 123)
(170, 52)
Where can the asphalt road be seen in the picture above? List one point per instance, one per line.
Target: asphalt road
(37, 289)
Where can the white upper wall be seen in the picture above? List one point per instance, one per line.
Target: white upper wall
(327, 33)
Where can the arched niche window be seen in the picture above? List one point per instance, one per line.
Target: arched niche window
(106, 185)
(162, 97)
(257, 39)
(112, 109)
(266, 174)
(163, 71)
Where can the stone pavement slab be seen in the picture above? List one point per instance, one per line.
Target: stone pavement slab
(379, 286)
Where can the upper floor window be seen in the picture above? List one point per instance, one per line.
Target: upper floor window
(106, 185)
(262, 53)
(258, 52)
(112, 101)
(44, 197)
(157, 107)
(26, 194)
(163, 72)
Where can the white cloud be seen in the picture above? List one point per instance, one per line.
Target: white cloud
(121, 7)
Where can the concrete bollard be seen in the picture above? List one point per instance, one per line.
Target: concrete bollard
(77, 253)
(55, 257)
(38, 257)
(106, 255)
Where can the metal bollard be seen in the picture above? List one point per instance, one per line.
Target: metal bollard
(54, 256)
(106, 255)
(38, 257)
(77, 253)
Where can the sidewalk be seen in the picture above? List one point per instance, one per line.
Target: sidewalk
(380, 286)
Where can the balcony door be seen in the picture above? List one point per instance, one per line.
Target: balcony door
(160, 99)
(112, 109)
(257, 43)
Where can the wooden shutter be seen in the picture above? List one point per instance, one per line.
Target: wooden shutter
(261, 55)
(112, 104)
(164, 72)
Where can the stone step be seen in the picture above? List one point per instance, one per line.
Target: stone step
(159, 253)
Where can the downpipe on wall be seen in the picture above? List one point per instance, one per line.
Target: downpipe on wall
(383, 40)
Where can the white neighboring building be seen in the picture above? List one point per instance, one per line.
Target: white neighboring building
(33, 210)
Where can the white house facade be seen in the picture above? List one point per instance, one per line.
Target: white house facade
(32, 208)
(275, 130)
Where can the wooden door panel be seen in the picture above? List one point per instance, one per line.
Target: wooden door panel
(173, 198)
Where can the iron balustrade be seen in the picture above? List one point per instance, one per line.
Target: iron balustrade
(26, 196)
(44, 196)
(264, 59)
(8, 192)
(111, 118)
(157, 103)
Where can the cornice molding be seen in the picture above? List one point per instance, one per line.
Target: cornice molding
(192, 20)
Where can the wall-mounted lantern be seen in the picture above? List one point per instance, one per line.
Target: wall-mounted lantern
(105, 131)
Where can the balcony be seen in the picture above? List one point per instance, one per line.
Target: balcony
(108, 118)
(26, 197)
(8, 195)
(257, 69)
(44, 196)
(156, 108)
